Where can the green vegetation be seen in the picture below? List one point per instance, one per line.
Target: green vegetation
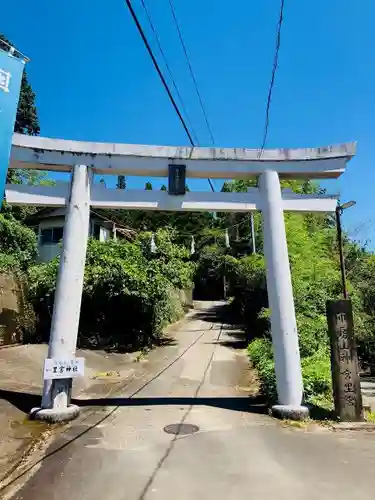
(130, 294)
(315, 275)
(18, 244)
(133, 292)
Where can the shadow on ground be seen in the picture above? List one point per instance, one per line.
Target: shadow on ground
(25, 402)
(239, 343)
(245, 404)
(222, 314)
(21, 400)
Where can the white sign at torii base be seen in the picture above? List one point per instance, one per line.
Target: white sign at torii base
(84, 159)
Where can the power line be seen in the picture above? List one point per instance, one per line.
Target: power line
(272, 82)
(191, 70)
(193, 78)
(161, 76)
(168, 68)
(158, 70)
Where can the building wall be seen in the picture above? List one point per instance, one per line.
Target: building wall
(105, 234)
(49, 251)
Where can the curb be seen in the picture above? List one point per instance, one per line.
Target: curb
(354, 426)
(7, 346)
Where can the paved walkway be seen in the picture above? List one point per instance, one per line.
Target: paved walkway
(236, 453)
(21, 369)
(368, 392)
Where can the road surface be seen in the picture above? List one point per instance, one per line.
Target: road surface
(236, 452)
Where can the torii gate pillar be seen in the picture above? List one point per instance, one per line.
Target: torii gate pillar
(56, 405)
(280, 297)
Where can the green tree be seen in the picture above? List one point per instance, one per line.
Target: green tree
(18, 243)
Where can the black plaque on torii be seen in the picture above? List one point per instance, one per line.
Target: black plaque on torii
(177, 180)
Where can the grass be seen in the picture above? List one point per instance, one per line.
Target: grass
(370, 416)
(142, 354)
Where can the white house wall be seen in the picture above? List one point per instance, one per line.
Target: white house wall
(49, 251)
(104, 234)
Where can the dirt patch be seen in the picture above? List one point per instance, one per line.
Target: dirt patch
(18, 436)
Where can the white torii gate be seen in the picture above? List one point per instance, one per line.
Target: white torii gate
(83, 159)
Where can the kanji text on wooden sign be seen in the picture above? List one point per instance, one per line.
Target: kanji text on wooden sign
(345, 371)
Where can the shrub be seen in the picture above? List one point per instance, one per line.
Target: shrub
(261, 356)
(18, 241)
(316, 372)
(129, 295)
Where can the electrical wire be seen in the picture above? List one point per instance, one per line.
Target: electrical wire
(183, 44)
(168, 68)
(273, 75)
(161, 76)
(158, 70)
(114, 221)
(192, 74)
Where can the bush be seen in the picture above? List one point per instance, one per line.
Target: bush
(316, 372)
(17, 241)
(317, 379)
(248, 288)
(129, 295)
(8, 263)
(261, 356)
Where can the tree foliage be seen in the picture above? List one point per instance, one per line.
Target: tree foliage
(18, 246)
(128, 295)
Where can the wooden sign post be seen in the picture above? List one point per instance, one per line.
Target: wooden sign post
(344, 361)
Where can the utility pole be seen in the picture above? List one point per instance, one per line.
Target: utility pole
(252, 232)
(338, 213)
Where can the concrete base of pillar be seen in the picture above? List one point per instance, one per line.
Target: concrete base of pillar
(288, 412)
(55, 415)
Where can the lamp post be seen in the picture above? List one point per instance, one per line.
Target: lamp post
(339, 211)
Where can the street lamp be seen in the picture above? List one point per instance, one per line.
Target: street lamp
(339, 211)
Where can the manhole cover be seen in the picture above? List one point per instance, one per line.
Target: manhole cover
(181, 429)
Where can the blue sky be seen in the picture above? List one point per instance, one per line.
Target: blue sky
(94, 80)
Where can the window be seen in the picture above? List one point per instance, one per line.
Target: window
(96, 231)
(51, 235)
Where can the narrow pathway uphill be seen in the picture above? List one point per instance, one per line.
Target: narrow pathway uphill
(225, 448)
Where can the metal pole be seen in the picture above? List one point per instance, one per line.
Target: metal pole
(341, 251)
(252, 232)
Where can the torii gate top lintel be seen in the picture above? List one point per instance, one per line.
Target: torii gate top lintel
(129, 159)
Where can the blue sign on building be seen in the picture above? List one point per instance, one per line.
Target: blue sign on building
(11, 69)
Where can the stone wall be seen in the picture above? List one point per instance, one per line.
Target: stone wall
(186, 297)
(11, 309)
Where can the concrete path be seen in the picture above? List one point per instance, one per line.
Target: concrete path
(237, 453)
(21, 369)
(368, 392)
